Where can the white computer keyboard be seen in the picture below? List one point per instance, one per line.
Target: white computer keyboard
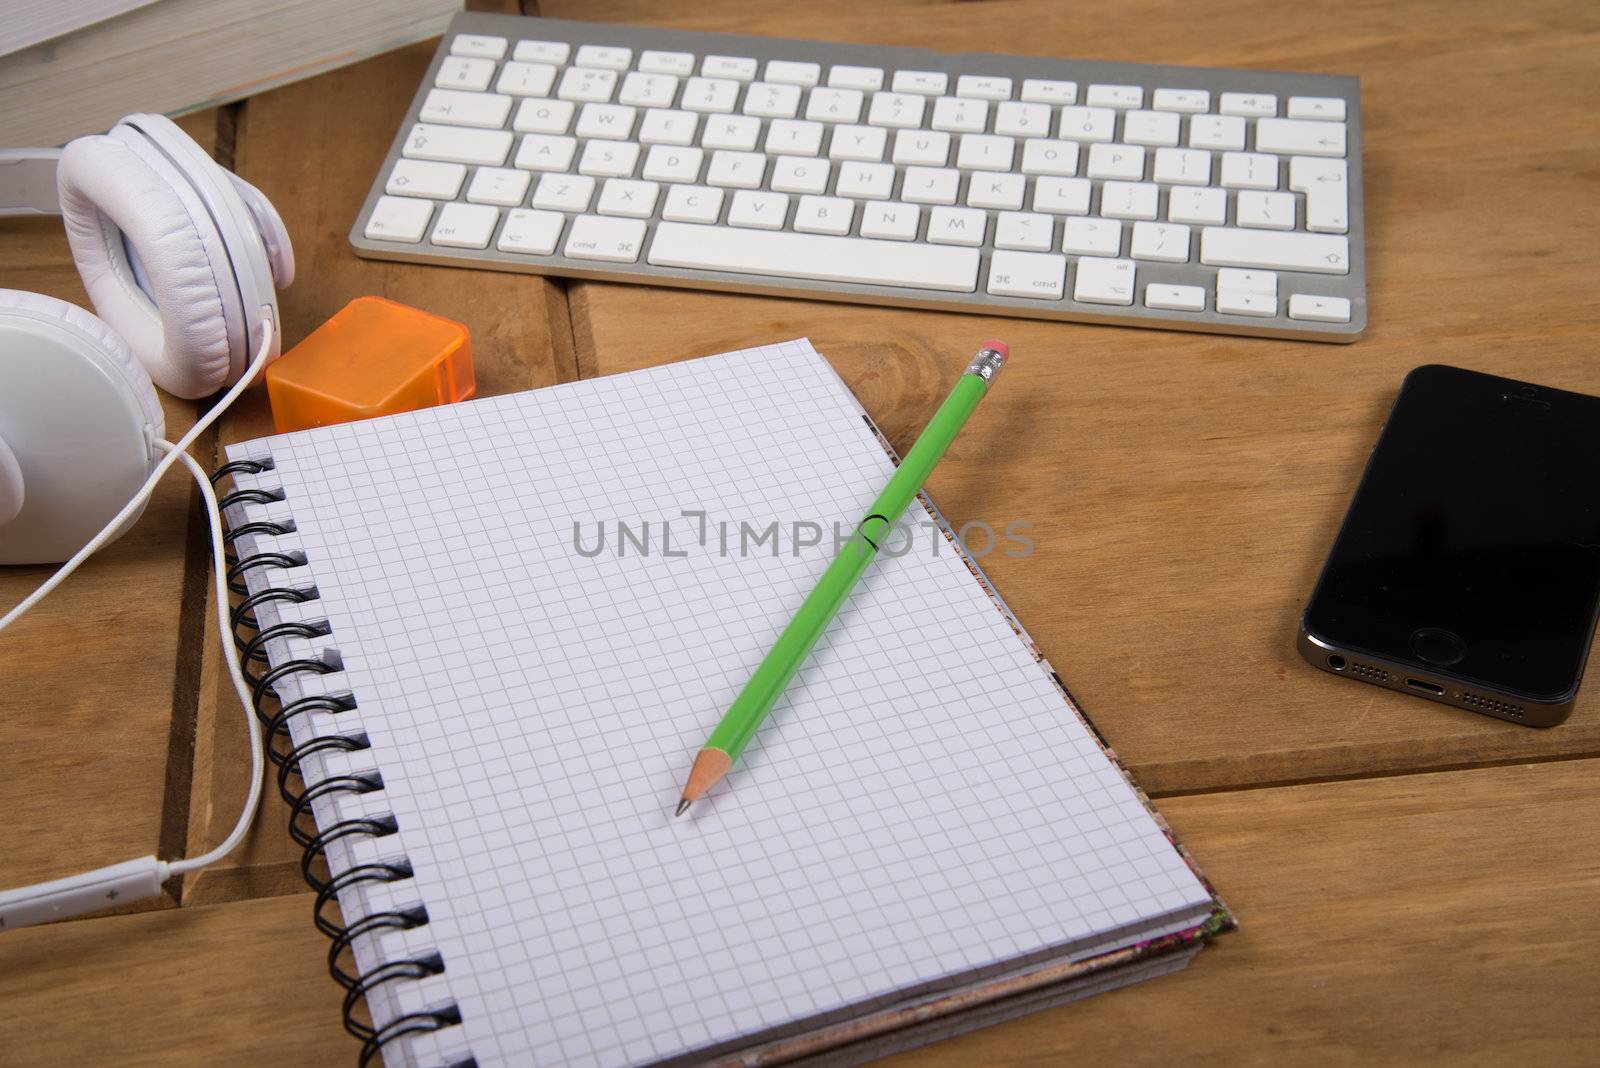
(1178, 197)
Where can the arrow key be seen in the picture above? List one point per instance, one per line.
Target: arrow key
(1319, 309)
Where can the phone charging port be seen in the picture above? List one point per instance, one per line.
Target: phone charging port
(1425, 687)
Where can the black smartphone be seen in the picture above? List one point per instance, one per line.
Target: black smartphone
(1467, 569)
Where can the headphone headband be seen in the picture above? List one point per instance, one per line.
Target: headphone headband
(28, 181)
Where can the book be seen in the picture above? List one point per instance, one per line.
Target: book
(498, 631)
(73, 69)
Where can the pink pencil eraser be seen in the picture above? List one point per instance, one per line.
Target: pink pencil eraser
(999, 346)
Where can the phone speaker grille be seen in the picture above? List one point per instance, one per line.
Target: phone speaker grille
(1489, 704)
(1367, 671)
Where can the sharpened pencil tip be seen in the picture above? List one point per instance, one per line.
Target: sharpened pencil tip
(683, 806)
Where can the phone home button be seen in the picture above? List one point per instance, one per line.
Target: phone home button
(1436, 646)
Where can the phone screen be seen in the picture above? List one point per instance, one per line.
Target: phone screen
(1473, 542)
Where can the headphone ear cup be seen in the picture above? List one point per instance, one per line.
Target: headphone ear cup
(115, 197)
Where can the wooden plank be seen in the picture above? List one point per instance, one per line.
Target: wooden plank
(1426, 918)
(520, 340)
(1183, 489)
(96, 678)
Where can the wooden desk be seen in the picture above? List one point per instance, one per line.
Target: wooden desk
(1413, 882)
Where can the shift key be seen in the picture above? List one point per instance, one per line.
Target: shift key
(1275, 250)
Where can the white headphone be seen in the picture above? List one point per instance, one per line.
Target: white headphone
(182, 260)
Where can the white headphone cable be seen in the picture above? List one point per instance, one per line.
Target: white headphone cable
(134, 879)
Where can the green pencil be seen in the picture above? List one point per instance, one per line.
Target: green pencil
(744, 716)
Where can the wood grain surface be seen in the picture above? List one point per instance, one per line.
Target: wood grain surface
(1182, 491)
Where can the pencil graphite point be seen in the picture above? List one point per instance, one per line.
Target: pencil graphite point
(683, 806)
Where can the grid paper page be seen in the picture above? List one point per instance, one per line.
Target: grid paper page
(922, 803)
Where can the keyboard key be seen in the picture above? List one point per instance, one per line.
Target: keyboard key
(1261, 283)
(957, 226)
(921, 148)
(834, 105)
(735, 132)
(1116, 161)
(587, 85)
(895, 109)
(803, 174)
(1249, 105)
(1220, 132)
(465, 225)
(865, 143)
(795, 137)
(1163, 242)
(1002, 191)
(479, 45)
(983, 87)
(785, 72)
(1300, 137)
(679, 64)
(816, 256)
(459, 72)
(419, 178)
(739, 68)
(1049, 157)
(960, 115)
(671, 163)
(457, 144)
(930, 185)
(1190, 101)
(661, 127)
(1024, 230)
(611, 122)
(497, 185)
(824, 215)
(642, 90)
(1316, 107)
(1062, 196)
(1271, 211)
(1327, 198)
(1092, 237)
(710, 94)
(1034, 275)
(593, 237)
(1233, 303)
(771, 100)
(1273, 250)
(1014, 119)
(1044, 91)
(564, 192)
(866, 79)
(1104, 281)
(1319, 309)
(1087, 124)
(1183, 166)
(1150, 128)
(692, 204)
(743, 170)
(555, 52)
(531, 231)
(605, 57)
(891, 220)
(1249, 170)
(868, 181)
(1194, 205)
(1115, 96)
(544, 116)
(526, 79)
(922, 82)
(609, 159)
(399, 219)
(765, 211)
(628, 197)
(985, 152)
(1129, 200)
(1174, 298)
(542, 152)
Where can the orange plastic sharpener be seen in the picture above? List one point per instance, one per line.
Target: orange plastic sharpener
(374, 357)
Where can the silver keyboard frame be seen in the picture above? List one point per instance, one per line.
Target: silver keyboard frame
(1351, 286)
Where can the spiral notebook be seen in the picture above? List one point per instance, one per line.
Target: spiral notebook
(497, 633)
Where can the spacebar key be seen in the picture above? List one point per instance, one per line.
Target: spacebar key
(777, 254)
(1275, 250)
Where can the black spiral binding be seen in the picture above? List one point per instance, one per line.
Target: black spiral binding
(275, 716)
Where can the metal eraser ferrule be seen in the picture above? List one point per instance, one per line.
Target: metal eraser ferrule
(986, 365)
